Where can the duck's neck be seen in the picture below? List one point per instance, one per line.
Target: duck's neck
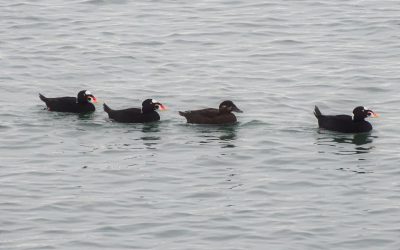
(146, 111)
(224, 111)
(358, 119)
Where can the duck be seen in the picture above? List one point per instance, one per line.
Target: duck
(83, 103)
(222, 115)
(346, 123)
(136, 115)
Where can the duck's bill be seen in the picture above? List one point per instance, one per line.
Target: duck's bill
(373, 114)
(92, 99)
(162, 107)
(236, 109)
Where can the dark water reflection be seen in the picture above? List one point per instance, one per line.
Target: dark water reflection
(346, 144)
(224, 134)
(151, 127)
(356, 139)
(86, 116)
(358, 145)
(150, 136)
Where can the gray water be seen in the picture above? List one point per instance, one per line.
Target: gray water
(273, 181)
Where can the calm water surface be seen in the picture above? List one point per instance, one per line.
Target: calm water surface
(272, 181)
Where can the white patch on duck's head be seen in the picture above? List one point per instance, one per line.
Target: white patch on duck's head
(87, 92)
(154, 101)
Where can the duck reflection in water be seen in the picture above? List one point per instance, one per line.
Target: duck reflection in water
(224, 134)
(361, 142)
(86, 116)
(150, 134)
(356, 139)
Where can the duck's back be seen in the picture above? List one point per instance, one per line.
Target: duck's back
(340, 123)
(132, 115)
(343, 123)
(67, 104)
(208, 116)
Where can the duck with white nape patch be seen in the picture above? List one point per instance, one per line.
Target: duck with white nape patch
(136, 115)
(83, 103)
(346, 123)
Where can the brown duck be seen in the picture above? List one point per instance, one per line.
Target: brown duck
(222, 115)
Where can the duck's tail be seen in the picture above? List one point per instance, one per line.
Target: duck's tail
(182, 113)
(106, 108)
(317, 112)
(42, 97)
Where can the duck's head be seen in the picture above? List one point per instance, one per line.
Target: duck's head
(85, 96)
(149, 105)
(228, 106)
(360, 113)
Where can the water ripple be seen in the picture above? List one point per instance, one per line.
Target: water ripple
(86, 182)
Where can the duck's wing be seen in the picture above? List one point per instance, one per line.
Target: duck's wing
(68, 104)
(207, 116)
(123, 115)
(341, 117)
(64, 100)
(341, 123)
